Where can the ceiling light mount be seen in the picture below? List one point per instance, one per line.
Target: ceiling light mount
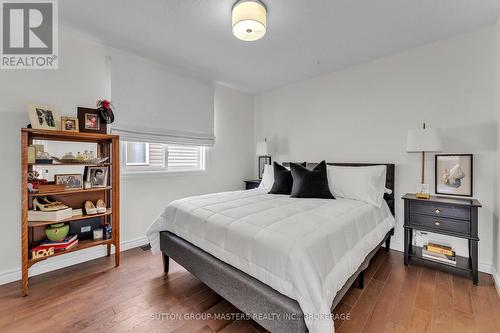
(249, 20)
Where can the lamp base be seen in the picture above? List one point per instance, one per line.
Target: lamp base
(422, 196)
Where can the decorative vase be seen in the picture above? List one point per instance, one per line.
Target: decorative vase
(57, 232)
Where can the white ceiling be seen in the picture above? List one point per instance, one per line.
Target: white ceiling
(305, 38)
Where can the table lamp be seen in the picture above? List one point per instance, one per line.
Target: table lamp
(422, 141)
(263, 151)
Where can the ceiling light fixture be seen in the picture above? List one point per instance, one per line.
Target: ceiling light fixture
(249, 20)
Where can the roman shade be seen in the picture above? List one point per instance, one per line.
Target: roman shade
(155, 104)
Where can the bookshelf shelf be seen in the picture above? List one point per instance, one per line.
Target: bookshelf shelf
(32, 232)
(43, 165)
(84, 244)
(69, 192)
(463, 263)
(32, 224)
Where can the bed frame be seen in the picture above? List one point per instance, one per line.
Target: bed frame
(249, 294)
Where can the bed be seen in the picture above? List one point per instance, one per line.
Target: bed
(285, 262)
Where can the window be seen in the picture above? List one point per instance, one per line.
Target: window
(137, 153)
(139, 157)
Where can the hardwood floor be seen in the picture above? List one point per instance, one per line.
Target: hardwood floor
(395, 299)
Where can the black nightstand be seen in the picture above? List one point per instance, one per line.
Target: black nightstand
(251, 184)
(447, 216)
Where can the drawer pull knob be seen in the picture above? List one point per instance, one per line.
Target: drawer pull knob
(437, 223)
(437, 211)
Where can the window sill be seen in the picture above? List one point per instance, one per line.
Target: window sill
(160, 174)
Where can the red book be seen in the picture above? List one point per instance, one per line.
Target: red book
(56, 247)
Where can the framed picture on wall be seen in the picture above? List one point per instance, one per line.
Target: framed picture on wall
(454, 174)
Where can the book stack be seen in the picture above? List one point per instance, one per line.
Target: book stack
(53, 216)
(439, 253)
(58, 246)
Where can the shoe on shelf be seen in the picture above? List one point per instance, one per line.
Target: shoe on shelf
(45, 207)
(54, 203)
(100, 206)
(90, 208)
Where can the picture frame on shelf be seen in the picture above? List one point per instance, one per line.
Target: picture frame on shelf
(71, 181)
(97, 176)
(69, 124)
(89, 120)
(454, 174)
(44, 117)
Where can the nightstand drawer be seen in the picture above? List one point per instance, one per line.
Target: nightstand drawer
(438, 210)
(434, 222)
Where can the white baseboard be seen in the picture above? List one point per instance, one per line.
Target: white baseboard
(496, 280)
(69, 259)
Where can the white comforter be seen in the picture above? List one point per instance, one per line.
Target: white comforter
(304, 248)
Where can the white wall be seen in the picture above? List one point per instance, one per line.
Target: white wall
(362, 114)
(81, 79)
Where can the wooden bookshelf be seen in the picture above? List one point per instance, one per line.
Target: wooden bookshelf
(32, 232)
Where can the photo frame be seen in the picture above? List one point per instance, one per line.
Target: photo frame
(90, 121)
(97, 176)
(44, 117)
(69, 124)
(71, 181)
(454, 174)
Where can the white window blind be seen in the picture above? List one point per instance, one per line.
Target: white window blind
(162, 157)
(152, 103)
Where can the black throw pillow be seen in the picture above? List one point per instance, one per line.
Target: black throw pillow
(282, 179)
(310, 183)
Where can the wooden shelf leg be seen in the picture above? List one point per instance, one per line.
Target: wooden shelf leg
(108, 248)
(25, 280)
(117, 254)
(24, 212)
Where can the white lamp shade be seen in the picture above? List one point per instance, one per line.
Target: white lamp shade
(249, 18)
(263, 149)
(424, 140)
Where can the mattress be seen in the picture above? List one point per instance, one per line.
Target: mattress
(305, 249)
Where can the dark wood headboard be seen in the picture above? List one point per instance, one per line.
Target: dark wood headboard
(389, 179)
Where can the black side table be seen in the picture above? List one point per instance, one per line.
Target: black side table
(447, 216)
(251, 184)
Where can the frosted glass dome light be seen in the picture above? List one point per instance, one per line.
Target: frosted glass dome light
(249, 19)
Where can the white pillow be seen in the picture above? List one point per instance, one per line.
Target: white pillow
(359, 183)
(267, 178)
